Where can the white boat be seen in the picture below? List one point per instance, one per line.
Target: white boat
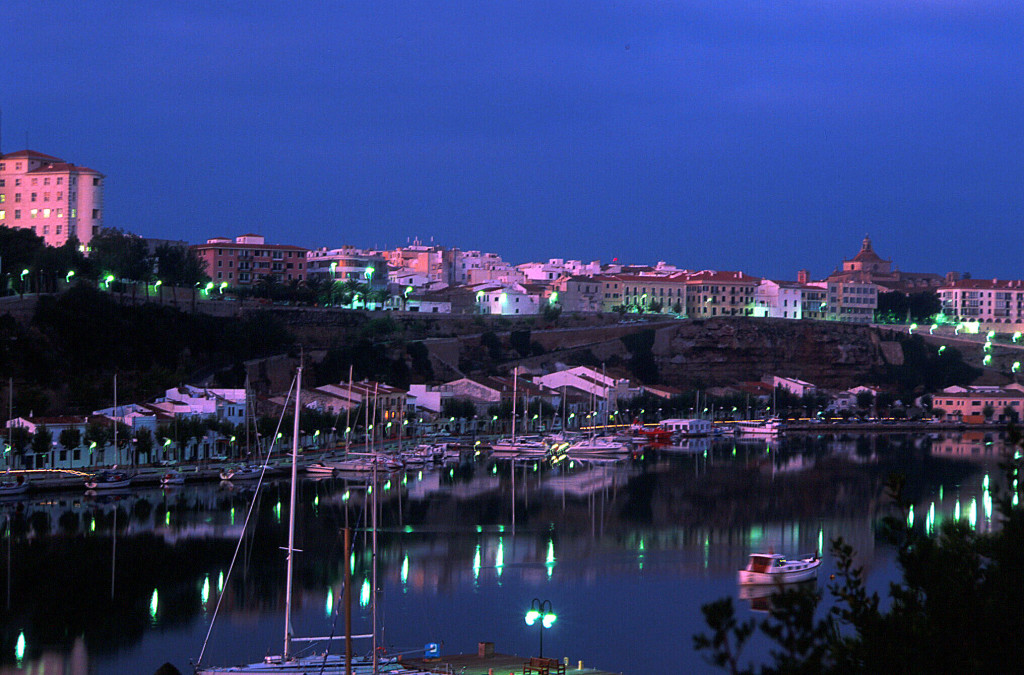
(109, 479)
(321, 469)
(13, 487)
(772, 568)
(600, 445)
(768, 427)
(172, 478)
(289, 663)
(247, 472)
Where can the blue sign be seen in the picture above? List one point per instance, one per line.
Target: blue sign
(431, 650)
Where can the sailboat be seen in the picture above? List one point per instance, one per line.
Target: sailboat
(288, 663)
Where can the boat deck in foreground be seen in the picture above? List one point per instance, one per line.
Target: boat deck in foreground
(500, 664)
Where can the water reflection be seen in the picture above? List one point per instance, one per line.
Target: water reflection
(688, 515)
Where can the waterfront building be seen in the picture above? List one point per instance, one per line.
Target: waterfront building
(347, 264)
(55, 199)
(246, 259)
(793, 385)
(969, 404)
(720, 293)
(602, 388)
(995, 304)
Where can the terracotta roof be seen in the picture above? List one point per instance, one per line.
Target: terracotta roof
(30, 153)
(279, 247)
(63, 167)
(985, 284)
(722, 277)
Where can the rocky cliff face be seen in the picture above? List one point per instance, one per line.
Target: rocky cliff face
(727, 350)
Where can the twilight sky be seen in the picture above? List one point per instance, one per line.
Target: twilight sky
(725, 134)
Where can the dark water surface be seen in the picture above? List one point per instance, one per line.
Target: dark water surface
(626, 553)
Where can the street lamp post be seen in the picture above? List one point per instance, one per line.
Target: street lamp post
(541, 610)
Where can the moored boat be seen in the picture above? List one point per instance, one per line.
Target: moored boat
(772, 568)
(109, 479)
(247, 472)
(13, 487)
(768, 427)
(172, 478)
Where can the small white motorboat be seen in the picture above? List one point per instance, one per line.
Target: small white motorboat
(172, 478)
(109, 479)
(13, 487)
(321, 469)
(247, 472)
(772, 568)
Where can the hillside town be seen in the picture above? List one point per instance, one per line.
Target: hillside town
(63, 204)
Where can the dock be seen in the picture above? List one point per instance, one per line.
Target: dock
(496, 664)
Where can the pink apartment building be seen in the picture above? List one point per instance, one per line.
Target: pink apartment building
(55, 199)
(244, 260)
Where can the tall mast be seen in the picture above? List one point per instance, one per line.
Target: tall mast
(287, 654)
(515, 393)
(348, 410)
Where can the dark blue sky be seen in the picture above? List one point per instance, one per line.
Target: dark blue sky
(761, 136)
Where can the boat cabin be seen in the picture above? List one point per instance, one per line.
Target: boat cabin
(688, 427)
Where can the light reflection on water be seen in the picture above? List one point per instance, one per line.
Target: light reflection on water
(626, 553)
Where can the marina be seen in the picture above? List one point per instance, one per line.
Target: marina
(463, 547)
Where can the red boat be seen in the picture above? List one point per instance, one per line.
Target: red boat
(650, 435)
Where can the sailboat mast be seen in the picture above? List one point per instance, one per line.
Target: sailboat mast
(287, 653)
(515, 394)
(373, 574)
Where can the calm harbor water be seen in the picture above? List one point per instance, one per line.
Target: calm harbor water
(626, 552)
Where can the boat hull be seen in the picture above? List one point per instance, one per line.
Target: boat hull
(803, 570)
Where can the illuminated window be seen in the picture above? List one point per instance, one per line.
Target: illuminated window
(46, 213)
(60, 213)
(74, 213)
(35, 213)
(3, 198)
(3, 215)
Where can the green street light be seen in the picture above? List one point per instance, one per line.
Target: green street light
(369, 273)
(23, 273)
(67, 277)
(158, 283)
(541, 610)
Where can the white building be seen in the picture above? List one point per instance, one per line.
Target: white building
(793, 385)
(506, 299)
(779, 299)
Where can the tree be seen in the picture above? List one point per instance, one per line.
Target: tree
(42, 442)
(143, 443)
(122, 254)
(20, 439)
(70, 438)
(18, 249)
(179, 266)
